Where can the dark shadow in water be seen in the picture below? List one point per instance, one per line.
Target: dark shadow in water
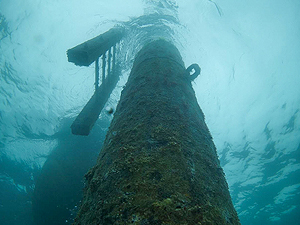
(59, 186)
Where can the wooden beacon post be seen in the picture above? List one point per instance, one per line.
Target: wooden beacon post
(158, 164)
(84, 55)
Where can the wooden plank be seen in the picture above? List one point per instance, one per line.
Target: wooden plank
(87, 52)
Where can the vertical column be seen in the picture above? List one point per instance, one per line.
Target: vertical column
(114, 58)
(103, 67)
(96, 74)
(158, 164)
(109, 62)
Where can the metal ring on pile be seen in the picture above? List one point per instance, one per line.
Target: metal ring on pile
(197, 71)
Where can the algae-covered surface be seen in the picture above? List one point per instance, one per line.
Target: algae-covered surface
(158, 164)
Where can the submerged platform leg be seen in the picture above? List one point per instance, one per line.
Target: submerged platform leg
(158, 164)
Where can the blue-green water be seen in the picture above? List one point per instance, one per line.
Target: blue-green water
(249, 53)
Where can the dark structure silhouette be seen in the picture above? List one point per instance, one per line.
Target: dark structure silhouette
(158, 164)
(103, 46)
(58, 189)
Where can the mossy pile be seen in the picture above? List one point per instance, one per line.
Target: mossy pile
(158, 164)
